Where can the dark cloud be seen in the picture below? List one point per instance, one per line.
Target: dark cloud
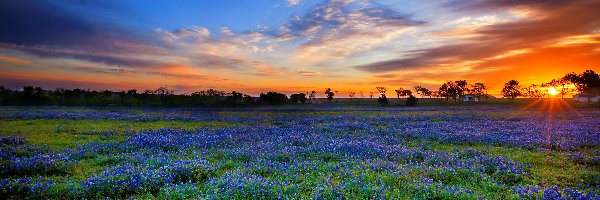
(574, 18)
(186, 76)
(218, 62)
(45, 28)
(29, 22)
(487, 5)
(103, 70)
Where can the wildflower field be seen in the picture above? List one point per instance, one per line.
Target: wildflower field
(301, 152)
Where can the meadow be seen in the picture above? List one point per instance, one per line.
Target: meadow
(335, 151)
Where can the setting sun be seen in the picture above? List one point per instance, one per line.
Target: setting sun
(552, 91)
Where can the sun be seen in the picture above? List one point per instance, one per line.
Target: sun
(552, 91)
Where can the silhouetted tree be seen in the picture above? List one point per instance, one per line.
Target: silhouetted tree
(423, 91)
(532, 91)
(479, 90)
(298, 98)
(162, 97)
(445, 90)
(462, 88)
(511, 89)
(562, 84)
(273, 98)
(3, 95)
(312, 96)
(351, 94)
(234, 98)
(587, 82)
(411, 100)
(435, 94)
(399, 92)
(454, 89)
(382, 99)
(329, 94)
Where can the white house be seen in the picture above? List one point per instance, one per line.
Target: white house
(586, 98)
(470, 98)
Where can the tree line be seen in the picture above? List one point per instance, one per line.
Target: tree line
(587, 83)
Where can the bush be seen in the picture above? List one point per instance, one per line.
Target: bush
(300, 97)
(411, 100)
(273, 98)
(383, 100)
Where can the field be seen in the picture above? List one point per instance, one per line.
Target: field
(326, 151)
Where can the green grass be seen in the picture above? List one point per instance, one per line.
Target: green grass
(547, 167)
(63, 133)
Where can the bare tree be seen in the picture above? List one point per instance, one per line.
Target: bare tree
(351, 94)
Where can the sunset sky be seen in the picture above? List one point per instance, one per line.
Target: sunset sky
(255, 46)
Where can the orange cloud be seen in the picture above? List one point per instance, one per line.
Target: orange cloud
(11, 59)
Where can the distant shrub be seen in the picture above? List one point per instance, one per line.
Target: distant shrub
(411, 100)
(383, 100)
(298, 98)
(238, 99)
(273, 98)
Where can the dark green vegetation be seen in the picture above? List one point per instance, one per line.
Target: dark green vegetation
(494, 152)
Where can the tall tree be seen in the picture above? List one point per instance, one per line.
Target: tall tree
(444, 91)
(406, 93)
(329, 94)
(532, 91)
(312, 96)
(419, 90)
(462, 88)
(511, 89)
(399, 92)
(479, 90)
(586, 82)
(382, 99)
(298, 98)
(423, 91)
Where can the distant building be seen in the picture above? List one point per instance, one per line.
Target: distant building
(586, 98)
(470, 98)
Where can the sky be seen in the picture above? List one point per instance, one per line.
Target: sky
(293, 46)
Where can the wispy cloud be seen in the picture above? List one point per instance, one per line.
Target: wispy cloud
(13, 59)
(336, 29)
(227, 50)
(293, 2)
(309, 73)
